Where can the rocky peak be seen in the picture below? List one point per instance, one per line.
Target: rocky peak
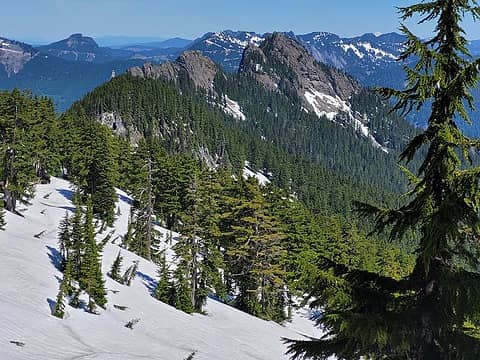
(75, 42)
(200, 69)
(79, 42)
(78, 48)
(14, 55)
(282, 62)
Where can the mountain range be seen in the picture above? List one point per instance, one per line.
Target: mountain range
(68, 69)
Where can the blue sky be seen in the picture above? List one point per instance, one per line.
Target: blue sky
(56, 19)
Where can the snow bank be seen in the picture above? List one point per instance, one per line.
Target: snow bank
(30, 281)
(248, 172)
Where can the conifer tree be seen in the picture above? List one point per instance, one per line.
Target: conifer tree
(255, 255)
(64, 237)
(91, 279)
(2, 216)
(16, 133)
(116, 268)
(163, 291)
(127, 238)
(94, 169)
(65, 290)
(433, 312)
(77, 238)
(182, 290)
(198, 246)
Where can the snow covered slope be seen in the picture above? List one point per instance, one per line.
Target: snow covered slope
(30, 280)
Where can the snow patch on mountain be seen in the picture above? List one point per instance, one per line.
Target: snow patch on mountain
(378, 52)
(335, 105)
(248, 172)
(232, 108)
(352, 47)
(320, 101)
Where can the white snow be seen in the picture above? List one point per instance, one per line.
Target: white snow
(233, 108)
(30, 283)
(248, 172)
(316, 99)
(378, 52)
(352, 47)
(336, 105)
(251, 38)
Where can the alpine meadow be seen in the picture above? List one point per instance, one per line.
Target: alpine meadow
(240, 195)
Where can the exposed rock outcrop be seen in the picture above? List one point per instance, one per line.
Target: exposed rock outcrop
(198, 68)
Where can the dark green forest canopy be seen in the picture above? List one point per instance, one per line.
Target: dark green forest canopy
(327, 166)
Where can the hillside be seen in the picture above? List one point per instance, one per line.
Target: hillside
(265, 117)
(30, 279)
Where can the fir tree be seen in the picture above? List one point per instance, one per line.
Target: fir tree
(163, 291)
(2, 216)
(116, 268)
(65, 290)
(433, 312)
(255, 255)
(64, 237)
(93, 168)
(91, 279)
(198, 246)
(182, 291)
(77, 239)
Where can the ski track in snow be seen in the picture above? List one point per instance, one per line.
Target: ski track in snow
(30, 284)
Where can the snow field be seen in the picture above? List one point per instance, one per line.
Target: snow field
(30, 282)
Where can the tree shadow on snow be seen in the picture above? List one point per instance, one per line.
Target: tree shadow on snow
(51, 304)
(125, 199)
(149, 282)
(66, 193)
(55, 257)
(68, 208)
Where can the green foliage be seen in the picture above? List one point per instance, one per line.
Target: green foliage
(326, 175)
(28, 130)
(255, 253)
(116, 268)
(198, 246)
(91, 279)
(144, 239)
(163, 291)
(182, 291)
(432, 312)
(64, 237)
(66, 289)
(89, 158)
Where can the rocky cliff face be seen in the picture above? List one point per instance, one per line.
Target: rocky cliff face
(14, 55)
(281, 63)
(198, 68)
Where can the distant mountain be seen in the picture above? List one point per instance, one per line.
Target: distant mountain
(14, 55)
(119, 41)
(178, 43)
(83, 48)
(280, 96)
(25, 67)
(369, 58)
(158, 51)
(226, 48)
